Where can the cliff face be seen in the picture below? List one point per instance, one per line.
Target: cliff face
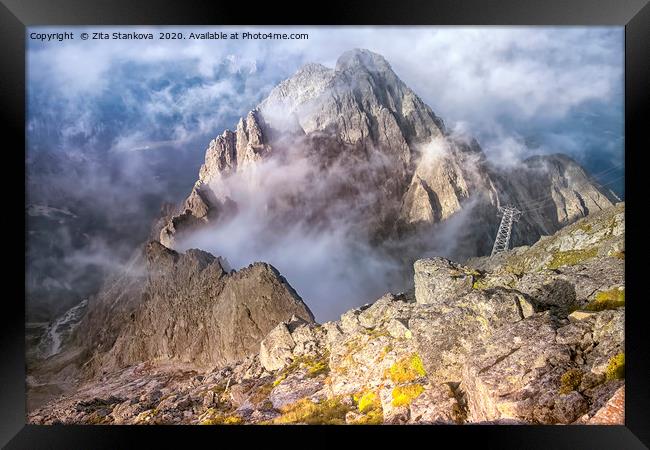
(534, 335)
(378, 150)
(187, 309)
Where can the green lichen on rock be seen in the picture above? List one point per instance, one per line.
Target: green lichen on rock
(571, 257)
(376, 332)
(478, 282)
(616, 367)
(96, 418)
(330, 411)
(585, 226)
(516, 266)
(318, 367)
(313, 365)
(404, 395)
(148, 417)
(570, 381)
(280, 379)
(610, 299)
(407, 369)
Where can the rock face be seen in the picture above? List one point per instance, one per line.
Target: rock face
(438, 279)
(186, 309)
(196, 312)
(535, 335)
(382, 154)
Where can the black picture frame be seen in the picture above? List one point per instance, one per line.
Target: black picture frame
(16, 15)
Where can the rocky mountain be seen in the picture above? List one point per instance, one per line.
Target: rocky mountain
(366, 146)
(187, 309)
(533, 335)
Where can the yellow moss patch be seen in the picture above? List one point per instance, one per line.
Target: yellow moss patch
(570, 381)
(213, 416)
(368, 401)
(616, 367)
(404, 395)
(327, 412)
(373, 417)
(571, 257)
(407, 369)
(369, 405)
(610, 299)
(314, 366)
(619, 255)
(147, 417)
(480, 284)
(222, 420)
(279, 379)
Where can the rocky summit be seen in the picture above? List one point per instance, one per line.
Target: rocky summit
(356, 134)
(533, 335)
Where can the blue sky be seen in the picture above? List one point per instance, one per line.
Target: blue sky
(519, 90)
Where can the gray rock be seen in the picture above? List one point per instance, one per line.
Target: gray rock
(439, 280)
(516, 374)
(191, 310)
(293, 388)
(446, 333)
(276, 348)
(398, 329)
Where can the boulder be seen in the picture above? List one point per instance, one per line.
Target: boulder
(439, 281)
(276, 348)
(516, 374)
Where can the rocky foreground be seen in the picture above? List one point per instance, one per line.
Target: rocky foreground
(535, 335)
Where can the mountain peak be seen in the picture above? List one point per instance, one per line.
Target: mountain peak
(361, 116)
(362, 59)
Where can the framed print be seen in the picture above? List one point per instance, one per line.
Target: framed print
(400, 220)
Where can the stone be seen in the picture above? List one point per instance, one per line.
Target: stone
(276, 348)
(293, 388)
(613, 413)
(501, 350)
(516, 374)
(398, 329)
(436, 405)
(439, 280)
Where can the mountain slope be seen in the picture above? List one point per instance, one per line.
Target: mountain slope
(358, 140)
(533, 336)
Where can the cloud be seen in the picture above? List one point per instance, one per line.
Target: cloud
(522, 79)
